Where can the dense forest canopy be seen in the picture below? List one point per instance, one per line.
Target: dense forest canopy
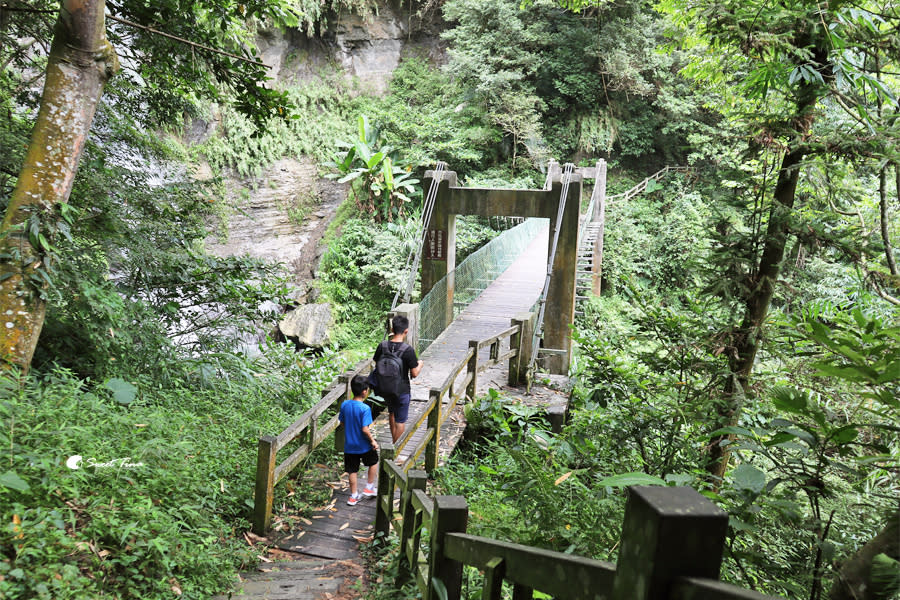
(746, 343)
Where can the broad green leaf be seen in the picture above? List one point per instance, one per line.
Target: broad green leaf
(11, 480)
(731, 430)
(747, 477)
(123, 392)
(845, 434)
(789, 400)
(627, 479)
(374, 160)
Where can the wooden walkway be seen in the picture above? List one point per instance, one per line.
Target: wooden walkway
(514, 292)
(327, 545)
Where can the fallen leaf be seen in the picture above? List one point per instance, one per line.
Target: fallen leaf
(140, 424)
(344, 526)
(307, 521)
(263, 558)
(562, 478)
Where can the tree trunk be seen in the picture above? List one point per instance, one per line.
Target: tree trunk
(854, 580)
(885, 218)
(756, 307)
(81, 60)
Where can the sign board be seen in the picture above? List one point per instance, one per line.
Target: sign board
(436, 245)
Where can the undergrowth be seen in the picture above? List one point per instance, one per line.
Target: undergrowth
(163, 488)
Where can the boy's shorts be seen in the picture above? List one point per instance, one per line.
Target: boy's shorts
(351, 461)
(399, 408)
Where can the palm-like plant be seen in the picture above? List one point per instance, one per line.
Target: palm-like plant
(381, 186)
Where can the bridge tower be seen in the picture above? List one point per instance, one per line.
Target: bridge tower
(439, 254)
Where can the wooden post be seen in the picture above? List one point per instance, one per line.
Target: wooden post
(451, 514)
(560, 312)
(521, 592)
(409, 537)
(384, 502)
(265, 484)
(521, 341)
(343, 379)
(599, 217)
(494, 572)
(434, 422)
(439, 257)
(668, 532)
(472, 368)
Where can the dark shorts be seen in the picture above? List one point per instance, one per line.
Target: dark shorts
(351, 461)
(399, 407)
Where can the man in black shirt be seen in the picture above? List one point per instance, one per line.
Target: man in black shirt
(398, 405)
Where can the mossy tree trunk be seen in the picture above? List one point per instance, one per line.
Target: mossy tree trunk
(749, 335)
(81, 60)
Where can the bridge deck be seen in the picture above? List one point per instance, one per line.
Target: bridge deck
(515, 291)
(333, 531)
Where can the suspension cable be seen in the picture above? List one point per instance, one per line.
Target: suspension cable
(412, 260)
(536, 337)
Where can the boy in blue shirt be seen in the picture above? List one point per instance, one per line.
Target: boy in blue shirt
(359, 443)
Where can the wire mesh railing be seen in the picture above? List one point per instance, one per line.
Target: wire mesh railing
(473, 276)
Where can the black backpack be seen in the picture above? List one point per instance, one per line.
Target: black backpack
(390, 368)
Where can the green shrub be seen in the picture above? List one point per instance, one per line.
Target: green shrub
(168, 524)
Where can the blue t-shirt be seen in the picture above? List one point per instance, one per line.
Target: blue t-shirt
(355, 415)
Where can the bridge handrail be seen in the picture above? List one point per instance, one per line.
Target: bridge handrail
(308, 428)
(312, 433)
(671, 548)
(628, 195)
(589, 213)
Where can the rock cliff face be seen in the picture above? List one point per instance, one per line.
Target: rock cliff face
(367, 48)
(282, 215)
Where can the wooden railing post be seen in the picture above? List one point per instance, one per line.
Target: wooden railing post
(494, 572)
(384, 502)
(521, 341)
(599, 217)
(265, 484)
(668, 532)
(410, 531)
(472, 369)
(451, 514)
(434, 422)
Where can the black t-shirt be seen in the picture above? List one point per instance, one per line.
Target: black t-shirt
(408, 358)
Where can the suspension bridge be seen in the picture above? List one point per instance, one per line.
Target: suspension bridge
(485, 322)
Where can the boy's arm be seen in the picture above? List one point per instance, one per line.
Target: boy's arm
(413, 363)
(371, 437)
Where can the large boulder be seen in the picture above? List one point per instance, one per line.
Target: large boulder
(309, 325)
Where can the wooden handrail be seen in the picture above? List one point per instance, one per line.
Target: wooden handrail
(269, 472)
(556, 573)
(671, 548)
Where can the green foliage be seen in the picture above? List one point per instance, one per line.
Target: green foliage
(360, 273)
(325, 111)
(430, 116)
(136, 293)
(385, 185)
(545, 499)
(658, 240)
(165, 483)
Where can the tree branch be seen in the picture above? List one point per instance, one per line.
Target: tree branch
(184, 41)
